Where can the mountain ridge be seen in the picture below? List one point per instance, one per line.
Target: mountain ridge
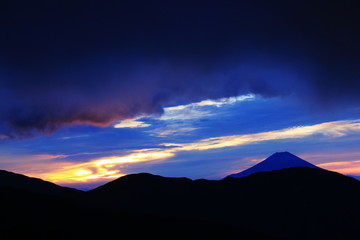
(287, 203)
(292, 204)
(11, 180)
(43, 215)
(276, 161)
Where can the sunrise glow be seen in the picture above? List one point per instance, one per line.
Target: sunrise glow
(110, 167)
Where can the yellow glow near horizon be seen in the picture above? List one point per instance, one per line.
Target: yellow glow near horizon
(83, 172)
(110, 167)
(136, 157)
(102, 168)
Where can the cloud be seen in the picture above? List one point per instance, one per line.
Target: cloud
(223, 101)
(74, 136)
(198, 110)
(181, 119)
(344, 167)
(100, 169)
(104, 98)
(66, 63)
(173, 129)
(131, 123)
(328, 129)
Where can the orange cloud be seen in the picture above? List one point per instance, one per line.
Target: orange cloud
(110, 167)
(100, 169)
(344, 167)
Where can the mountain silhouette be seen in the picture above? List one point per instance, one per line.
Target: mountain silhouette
(10, 180)
(295, 203)
(35, 209)
(279, 160)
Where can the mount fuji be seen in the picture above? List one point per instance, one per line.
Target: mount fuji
(277, 161)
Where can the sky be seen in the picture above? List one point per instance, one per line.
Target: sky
(94, 90)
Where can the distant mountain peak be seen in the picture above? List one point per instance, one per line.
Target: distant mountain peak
(283, 154)
(276, 161)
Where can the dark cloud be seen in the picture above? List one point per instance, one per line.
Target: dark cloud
(95, 62)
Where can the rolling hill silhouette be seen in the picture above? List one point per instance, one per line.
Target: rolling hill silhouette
(290, 204)
(35, 209)
(279, 160)
(10, 180)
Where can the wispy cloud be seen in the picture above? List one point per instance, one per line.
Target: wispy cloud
(181, 114)
(74, 136)
(172, 129)
(197, 110)
(345, 162)
(111, 167)
(179, 120)
(102, 168)
(131, 123)
(345, 167)
(328, 129)
(223, 101)
(23, 158)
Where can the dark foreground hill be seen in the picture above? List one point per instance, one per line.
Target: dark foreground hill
(290, 204)
(10, 180)
(46, 213)
(294, 203)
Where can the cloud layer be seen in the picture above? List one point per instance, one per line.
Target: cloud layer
(90, 62)
(104, 168)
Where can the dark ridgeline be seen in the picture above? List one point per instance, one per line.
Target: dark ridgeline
(10, 180)
(35, 209)
(292, 203)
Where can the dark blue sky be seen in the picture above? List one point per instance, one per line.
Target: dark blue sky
(90, 90)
